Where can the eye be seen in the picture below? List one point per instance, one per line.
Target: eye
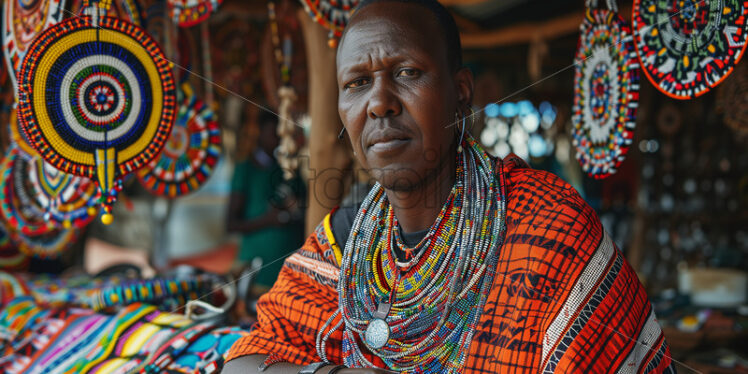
(407, 72)
(358, 82)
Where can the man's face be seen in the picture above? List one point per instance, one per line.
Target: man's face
(397, 96)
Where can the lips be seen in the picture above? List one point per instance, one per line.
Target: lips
(387, 138)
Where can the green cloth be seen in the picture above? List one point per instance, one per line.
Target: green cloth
(260, 188)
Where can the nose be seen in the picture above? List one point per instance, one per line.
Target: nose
(383, 102)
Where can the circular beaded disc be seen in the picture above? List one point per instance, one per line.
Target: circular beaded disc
(191, 12)
(23, 20)
(67, 198)
(686, 47)
(97, 101)
(332, 14)
(606, 93)
(19, 210)
(190, 154)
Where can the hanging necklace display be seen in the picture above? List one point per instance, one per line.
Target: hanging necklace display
(688, 47)
(29, 230)
(97, 97)
(332, 14)
(606, 91)
(48, 245)
(10, 257)
(19, 138)
(186, 13)
(17, 207)
(286, 150)
(732, 100)
(190, 154)
(66, 198)
(128, 10)
(22, 22)
(405, 314)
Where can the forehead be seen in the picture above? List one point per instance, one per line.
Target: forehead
(390, 28)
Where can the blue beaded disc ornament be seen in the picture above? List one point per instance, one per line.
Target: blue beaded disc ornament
(97, 99)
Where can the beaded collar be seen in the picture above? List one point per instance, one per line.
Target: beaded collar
(440, 292)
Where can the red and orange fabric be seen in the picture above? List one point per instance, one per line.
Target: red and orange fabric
(563, 299)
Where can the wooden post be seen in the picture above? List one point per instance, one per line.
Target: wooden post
(329, 160)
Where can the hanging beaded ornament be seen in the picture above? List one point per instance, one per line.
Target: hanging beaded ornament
(688, 47)
(332, 14)
(732, 100)
(286, 149)
(190, 154)
(188, 13)
(18, 208)
(420, 316)
(10, 257)
(128, 10)
(97, 98)
(19, 138)
(606, 92)
(23, 20)
(66, 198)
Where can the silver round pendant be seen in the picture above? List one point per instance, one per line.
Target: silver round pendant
(377, 333)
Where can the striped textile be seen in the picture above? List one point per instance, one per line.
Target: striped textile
(563, 299)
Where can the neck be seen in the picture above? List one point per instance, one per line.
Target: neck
(417, 209)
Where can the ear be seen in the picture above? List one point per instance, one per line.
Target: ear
(464, 88)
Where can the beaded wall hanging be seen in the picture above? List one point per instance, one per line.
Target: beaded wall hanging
(68, 199)
(191, 12)
(23, 20)
(128, 10)
(19, 139)
(688, 47)
(190, 154)
(332, 14)
(606, 92)
(98, 98)
(732, 100)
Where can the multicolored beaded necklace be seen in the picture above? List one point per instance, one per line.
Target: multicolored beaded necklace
(419, 316)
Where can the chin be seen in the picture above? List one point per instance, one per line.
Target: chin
(401, 178)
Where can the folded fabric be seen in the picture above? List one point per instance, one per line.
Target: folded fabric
(138, 338)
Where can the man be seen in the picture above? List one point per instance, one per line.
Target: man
(456, 261)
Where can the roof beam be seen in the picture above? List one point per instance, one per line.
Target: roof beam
(526, 32)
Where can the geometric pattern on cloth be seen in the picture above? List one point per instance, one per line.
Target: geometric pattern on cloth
(552, 238)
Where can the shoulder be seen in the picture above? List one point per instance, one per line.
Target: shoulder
(549, 222)
(542, 199)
